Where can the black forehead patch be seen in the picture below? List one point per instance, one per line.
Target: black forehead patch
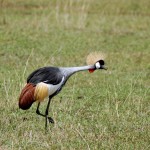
(101, 62)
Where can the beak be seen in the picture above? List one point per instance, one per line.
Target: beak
(104, 67)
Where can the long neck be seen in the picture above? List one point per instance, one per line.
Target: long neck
(68, 71)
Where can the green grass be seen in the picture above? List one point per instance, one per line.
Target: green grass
(104, 110)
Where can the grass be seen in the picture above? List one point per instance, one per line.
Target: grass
(104, 110)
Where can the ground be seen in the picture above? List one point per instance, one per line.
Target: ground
(101, 110)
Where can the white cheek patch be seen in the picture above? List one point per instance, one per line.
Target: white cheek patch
(97, 65)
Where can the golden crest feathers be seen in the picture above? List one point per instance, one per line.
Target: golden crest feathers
(93, 57)
(41, 91)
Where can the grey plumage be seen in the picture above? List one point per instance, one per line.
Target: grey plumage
(54, 75)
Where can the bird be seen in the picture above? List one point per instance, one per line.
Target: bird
(47, 82)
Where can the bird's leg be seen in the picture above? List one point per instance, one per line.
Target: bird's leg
(46, 114)
(37, 110)
(39, 113)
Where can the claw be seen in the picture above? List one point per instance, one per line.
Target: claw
(50, 120)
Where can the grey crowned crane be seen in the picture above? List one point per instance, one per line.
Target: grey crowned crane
(48, 82)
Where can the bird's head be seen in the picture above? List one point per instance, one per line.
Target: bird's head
(96, 59)
(100, 64)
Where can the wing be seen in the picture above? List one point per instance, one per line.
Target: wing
(49, 75)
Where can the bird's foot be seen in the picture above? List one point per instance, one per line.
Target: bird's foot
(50, 120)
(38, 112)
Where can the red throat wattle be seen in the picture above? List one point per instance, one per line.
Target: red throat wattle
(91, 70)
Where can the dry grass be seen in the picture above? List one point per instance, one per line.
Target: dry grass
(103, 110)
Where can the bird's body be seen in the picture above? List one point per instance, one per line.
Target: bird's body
(47, 82)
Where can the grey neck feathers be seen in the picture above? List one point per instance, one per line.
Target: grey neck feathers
(68, 71)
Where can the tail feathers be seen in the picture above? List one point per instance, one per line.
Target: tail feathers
(26, 98)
